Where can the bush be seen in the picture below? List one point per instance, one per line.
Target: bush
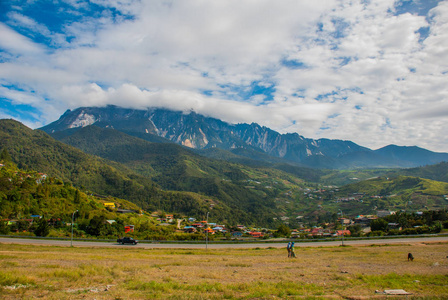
(445, 224)
(43, 229)
(376, 233)
(282, 231)
(4, 228)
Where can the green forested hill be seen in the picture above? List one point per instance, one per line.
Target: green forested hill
(437, 172)
(227, 189)
(35, 150)
(397, 185)
(399, 193)
(24, 193)
(34, 203)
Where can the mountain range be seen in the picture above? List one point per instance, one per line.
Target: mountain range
(241, 141)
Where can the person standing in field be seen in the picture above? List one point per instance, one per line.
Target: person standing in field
(288, 247)
(291, 250)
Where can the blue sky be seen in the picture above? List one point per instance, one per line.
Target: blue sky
(373, 72)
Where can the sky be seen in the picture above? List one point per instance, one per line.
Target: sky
(370, 71)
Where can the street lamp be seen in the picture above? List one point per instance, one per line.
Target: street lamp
(73, 217)
(206, 234)
(342, 224)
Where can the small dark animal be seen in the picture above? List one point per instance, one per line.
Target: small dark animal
(410, 257)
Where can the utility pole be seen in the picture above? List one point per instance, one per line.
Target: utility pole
(206, 234)
(342, 225)
(73, 217)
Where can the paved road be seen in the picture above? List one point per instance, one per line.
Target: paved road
(67, 243)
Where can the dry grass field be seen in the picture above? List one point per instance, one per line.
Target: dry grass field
(341, 272)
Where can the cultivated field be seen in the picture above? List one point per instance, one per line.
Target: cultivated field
(349, 272)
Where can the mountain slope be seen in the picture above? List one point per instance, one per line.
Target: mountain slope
(197, 185)
(438, 172)
(413, 155)
(35, 150)
(199, 132)
(176, 168)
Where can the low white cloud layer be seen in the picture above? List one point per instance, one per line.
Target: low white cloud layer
(352, 70)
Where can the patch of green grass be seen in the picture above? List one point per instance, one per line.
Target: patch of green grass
(9, 264)
(153, 285)
(240, 265)
(50, 266)
(8, 279)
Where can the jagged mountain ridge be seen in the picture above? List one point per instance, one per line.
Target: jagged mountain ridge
(199, 132)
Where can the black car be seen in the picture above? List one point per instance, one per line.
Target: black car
(127, 240)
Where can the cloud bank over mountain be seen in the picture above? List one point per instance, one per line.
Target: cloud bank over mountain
(374, 72)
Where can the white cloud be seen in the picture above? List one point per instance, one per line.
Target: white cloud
(16, 43)
(357, 70)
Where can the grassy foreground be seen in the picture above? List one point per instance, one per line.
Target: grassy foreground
(351, 272)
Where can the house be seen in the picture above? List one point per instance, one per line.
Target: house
(41, 178)
(189, 229)
(256, 234)
(364, 220)
(295, 233)
(128, 228)
(394, 226)
(384, 213)
(344, 232)
(237, 234)
(125, 211)
(209, 230)
(316, 232)
(344, 221)
(241, 227)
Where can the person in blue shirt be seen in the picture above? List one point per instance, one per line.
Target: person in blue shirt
(291, 250)
(288, 247)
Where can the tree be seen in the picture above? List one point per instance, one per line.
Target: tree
(355, 230)
(98, 226)
(77, 199)
(4, 228)
(43, 229)
(4, 156)
(378, 225)
(283, 230)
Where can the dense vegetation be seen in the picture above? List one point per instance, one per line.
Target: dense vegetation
(32, 203)
(403, 223)
(35, 150)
